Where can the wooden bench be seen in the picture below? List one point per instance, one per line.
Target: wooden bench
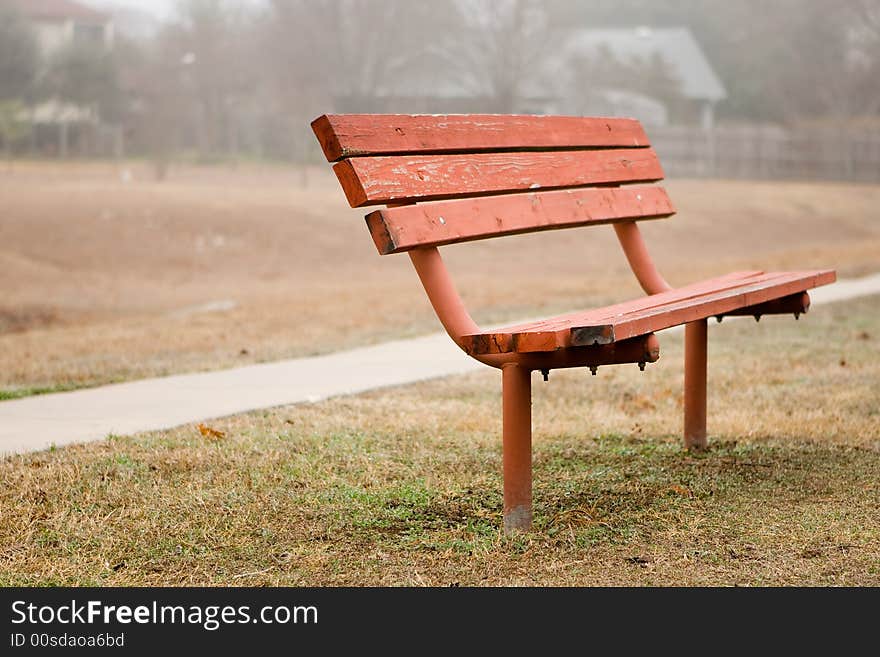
(455, 178)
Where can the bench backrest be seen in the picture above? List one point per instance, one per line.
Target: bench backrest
(456, 178)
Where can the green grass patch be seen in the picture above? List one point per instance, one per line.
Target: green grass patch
(7, 394)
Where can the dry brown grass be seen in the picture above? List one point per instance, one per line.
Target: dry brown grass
(402, 486)
(96, 272)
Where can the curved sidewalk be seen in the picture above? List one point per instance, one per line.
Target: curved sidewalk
(59, 419)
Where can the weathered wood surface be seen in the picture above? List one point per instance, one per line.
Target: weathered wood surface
(347, 135)
(373, 180)
(399, 229)
(552, 333)
(717, 296)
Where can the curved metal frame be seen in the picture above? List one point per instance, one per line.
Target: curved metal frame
(457, 321)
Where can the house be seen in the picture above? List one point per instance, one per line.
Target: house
(58, 23)
(670, 52)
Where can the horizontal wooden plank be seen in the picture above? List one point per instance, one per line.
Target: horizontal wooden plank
(554, 332)
(399, 229)
(347, 135)
(623, 321)
(373, 180)
(777, 284)
(694, 290)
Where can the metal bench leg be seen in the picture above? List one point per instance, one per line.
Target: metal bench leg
(516, 384)
(695, 339)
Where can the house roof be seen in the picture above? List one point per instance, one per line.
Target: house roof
(57, 10)
(676, 46)
(436, 72)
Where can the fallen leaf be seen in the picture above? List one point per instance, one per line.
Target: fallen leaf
(681, 490)
(208, 432)
(641, 561)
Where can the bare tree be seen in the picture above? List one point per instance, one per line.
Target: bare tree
(19, 57)
(867, 11)
(501, 45)
(209, 43)
(154, 78)
(18, 70)
(864, 61)
(341, 54)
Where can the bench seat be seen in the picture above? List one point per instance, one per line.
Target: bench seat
(747, 292)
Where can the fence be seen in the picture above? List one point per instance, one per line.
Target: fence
(768, 153)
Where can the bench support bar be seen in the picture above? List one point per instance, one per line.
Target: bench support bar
(695, 345)
(516, 384)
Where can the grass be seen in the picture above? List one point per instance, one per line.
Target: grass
(402, 486)
(33, 391)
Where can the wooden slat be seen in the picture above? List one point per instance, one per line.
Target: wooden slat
(554, 332)
(446, 222)
(347, 135)
(654, 313)
(778, 284)
(692, 291)
(372, 180)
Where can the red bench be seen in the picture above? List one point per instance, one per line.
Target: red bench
(455, 178)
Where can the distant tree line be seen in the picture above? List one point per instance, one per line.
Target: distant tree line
(224, 78)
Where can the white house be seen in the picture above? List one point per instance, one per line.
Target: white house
(58, 23)
(675, 47)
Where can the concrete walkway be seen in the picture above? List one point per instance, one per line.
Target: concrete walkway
(59, 419)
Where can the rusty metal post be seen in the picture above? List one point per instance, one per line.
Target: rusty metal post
(695, 346)
(516, 392)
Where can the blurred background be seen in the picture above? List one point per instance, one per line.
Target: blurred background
(164, 205)
(787, 89)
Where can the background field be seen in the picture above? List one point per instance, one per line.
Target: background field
(108, 275)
